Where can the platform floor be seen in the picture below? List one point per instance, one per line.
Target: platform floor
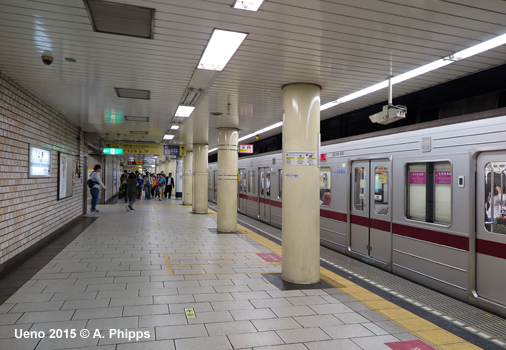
(162, 278)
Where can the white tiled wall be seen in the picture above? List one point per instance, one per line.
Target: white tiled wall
(29, 209)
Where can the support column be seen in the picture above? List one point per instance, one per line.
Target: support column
(199, 204)
(227, 179)
(187, 178)
(301, 202)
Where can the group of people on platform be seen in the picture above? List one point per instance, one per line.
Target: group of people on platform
(134, 183)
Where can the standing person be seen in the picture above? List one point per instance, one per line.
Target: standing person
(140, 185)
(95, 190)
(161, 186)
(148, 182)
(169, 185)
(123, 181)
(154, 190)
(131, 191)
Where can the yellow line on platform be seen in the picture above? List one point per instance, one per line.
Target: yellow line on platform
(167, 262)
(418, 326)
(210, 259)
(228, 265)
(157, 223)
(216, 253)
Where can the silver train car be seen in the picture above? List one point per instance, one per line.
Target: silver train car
(426, 204)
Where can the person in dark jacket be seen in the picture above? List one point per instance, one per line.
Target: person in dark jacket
(131, 191)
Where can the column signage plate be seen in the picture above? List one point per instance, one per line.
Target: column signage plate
(301, 158)
(248, 149)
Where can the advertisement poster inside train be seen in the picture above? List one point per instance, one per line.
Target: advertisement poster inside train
(443, 178)
(417, 178)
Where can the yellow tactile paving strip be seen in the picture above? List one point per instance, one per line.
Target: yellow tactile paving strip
(421, 328)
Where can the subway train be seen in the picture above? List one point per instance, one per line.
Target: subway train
(426, 202)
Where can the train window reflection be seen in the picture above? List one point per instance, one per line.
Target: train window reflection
(359, 183)
(325, 186)
(381, 190)
(495, 197)
(251, 182)
(429, 192)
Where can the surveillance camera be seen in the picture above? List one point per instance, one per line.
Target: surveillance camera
(47, 58)
(389, 114)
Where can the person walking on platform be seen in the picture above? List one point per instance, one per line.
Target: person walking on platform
(169, 185)
(161, 186)
(140, 186)
(95, 190)
(148, 182)
(131, 191)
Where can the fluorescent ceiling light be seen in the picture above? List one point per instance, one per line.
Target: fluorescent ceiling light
(212, 150)
(249, 5)
(273, 126)
(220, 49)
(184, 111)
(463, 54)
(168, 137)
(174, 127)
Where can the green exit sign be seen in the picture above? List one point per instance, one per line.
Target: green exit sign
(112, 151)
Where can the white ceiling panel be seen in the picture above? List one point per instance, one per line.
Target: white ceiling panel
(342, 45)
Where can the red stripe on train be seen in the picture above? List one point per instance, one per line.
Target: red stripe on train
(333, 215)
(495, 249)
(250, 198)
(447, 239)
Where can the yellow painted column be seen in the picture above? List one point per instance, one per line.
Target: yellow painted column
(227, 179)
(187, 178)
(199, 203)
(301, 202)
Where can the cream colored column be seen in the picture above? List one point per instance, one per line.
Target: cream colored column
(188, 178)
(199, 203)
(227, 179)
(301, 202)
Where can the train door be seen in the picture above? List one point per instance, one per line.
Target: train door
(370, 209)
(243, 188)
(491, 226)
(264, 194)
(215, 187)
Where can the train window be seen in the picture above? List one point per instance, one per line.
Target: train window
(251, 182)
(429, 192)
(325, 188)
(381, 190)
(495, 197)
(359, 182)
(280, 183)
(244, 181)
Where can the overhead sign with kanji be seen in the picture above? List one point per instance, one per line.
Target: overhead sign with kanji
(137, 148)
(112, 151)
(171, 150)
(247, 149)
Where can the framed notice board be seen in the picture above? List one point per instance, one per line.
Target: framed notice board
(65, 175)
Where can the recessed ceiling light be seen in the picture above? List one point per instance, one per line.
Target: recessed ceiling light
(184, 111)
(168, 137)
(136, 119)
(114, 18)
(133, 93)
(174, 127)
(220, 49)
(248, 5)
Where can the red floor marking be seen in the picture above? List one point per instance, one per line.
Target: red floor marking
(410, 345)
(270, 257)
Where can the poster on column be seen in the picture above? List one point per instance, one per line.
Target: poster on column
(300, 158)
(65, 175)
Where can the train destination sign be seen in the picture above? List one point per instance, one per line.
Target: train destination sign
(113, 151)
